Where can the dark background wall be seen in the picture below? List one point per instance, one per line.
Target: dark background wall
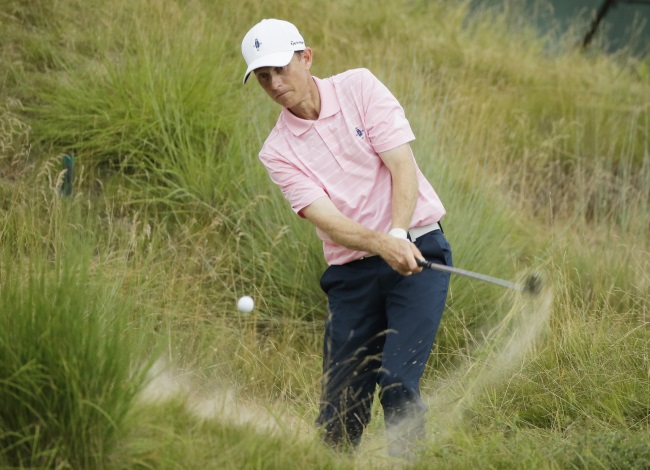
(616, 30)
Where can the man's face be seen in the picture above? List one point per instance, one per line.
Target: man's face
(289, 85)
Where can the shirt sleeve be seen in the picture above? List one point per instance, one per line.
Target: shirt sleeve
(298, 188)
(385, 119)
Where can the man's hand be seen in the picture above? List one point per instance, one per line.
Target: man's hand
(400, 254)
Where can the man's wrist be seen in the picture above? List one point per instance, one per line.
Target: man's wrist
(399, 233)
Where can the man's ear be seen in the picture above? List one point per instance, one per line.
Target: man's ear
(307, 56)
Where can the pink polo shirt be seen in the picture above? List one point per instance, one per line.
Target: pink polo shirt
(336, 156)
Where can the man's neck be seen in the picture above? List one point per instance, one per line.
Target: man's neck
(309, 108)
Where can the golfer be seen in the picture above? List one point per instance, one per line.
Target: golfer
(340, 154)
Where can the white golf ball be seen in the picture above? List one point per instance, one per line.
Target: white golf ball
(245, 304)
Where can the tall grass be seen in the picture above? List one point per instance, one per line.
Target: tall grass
(70, 365)
(539, 153)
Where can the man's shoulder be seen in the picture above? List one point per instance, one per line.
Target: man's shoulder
(351, 77)
(274, 136)
(276, 140)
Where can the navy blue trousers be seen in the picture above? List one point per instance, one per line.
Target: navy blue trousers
(379, 332)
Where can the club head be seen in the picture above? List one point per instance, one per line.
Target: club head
(533, 284)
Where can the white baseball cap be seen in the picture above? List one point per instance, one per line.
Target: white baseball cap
(270, 43)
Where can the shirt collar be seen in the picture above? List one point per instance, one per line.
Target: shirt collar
(329, 105)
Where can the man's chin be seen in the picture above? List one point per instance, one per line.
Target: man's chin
(284, 99)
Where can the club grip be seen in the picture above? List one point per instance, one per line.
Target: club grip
(424, 263)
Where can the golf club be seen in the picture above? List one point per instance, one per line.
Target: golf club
(532, 284)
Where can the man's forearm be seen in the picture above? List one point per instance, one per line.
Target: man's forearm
(405, 196)
(399, 254)
(402, 167)
(353, 235)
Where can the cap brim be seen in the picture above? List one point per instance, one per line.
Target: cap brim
(279, 59)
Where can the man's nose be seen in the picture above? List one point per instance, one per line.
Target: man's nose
(276, 81)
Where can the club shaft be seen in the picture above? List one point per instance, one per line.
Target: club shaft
(471, 274)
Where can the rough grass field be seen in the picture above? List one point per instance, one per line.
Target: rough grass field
(120, 343)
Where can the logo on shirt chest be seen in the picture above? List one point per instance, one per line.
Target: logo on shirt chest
(360, 133)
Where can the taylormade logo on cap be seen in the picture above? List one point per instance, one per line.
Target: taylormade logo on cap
(270, 43)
